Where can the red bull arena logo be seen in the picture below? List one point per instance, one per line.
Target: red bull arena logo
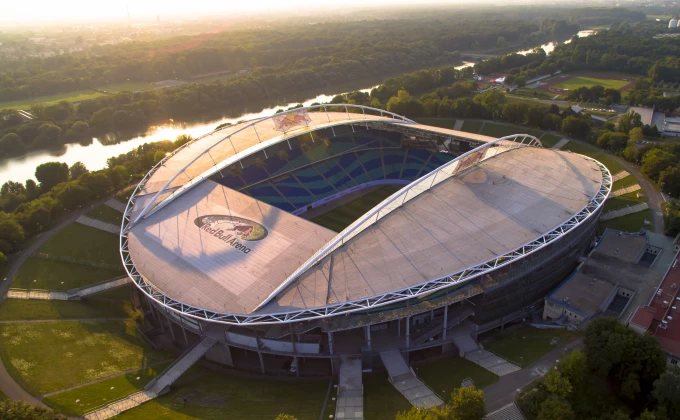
(232, 230)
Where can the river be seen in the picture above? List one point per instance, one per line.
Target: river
(95, 154)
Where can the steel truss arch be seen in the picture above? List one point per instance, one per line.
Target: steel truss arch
(462, 276)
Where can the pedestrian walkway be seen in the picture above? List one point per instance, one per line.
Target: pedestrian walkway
(625, 190)
(560, 144)
(73, 294)
(350, 403)
(98, 224)
(491, 362)
(156, 387)
(458, 125)
(620, 175)
(407, 383)
(116, 205)
(624, 211)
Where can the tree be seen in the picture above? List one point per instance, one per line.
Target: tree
(118, 176)
(493, 101)
(629, 120)
(635, 134)
(574, 367)
(667, 391)
(557, 384)
(48, 136)
(414, 413)
(655, 161)
(467, 403)
(10, 231)
(50, 174)
(669, 179)
(73, 196)
(21, 410)
(11, 144)
(32, 190)
(3, 259)
(285, 417)
(96, 182)
(604, 140)
(11, 187)
(555, 408)
(77, 169)
(79, 130)
(574, 126)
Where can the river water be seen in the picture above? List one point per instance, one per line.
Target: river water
(95, 154)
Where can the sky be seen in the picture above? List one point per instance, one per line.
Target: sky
(84, 10)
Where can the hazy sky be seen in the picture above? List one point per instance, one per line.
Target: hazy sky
(66, 10)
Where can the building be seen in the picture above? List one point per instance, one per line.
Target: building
(621, 272)
(660, 314)
(673, 23)
(219, 242)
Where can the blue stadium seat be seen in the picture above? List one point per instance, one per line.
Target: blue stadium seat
(352, 165)
(391, 140)
(294, 192)
(314, 182)
(252, 174)
(334, 174)
(267, 193)
(394, 162)
(415, 160)
(373, 164)
(232, 181)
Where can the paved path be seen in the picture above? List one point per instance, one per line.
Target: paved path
(625, 190)
(116, 205)
(98, 224)
(624, 211)
(620, 176)
(505, 390)
(560, 144)
(458, 125)
(7, 384)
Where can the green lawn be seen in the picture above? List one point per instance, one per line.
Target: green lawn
(342, 216)
(629, 223)
(608, 161)
(84, 242)
(438, 122)
(549, 140)
(113, 303)
(76, 96)
(624, 182)
(624, 200)
(472, 126)
(129, 86)
(381, 400)
(92, 396)
(525, 344)
(43, 274)
(106, 214)
(3, 397)
(49, 356)
(245, 398)
(443, 376)
(589, 82)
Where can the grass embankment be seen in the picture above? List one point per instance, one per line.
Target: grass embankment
(525, 344)
(77, 402)
(77, 244)
(113, 303)
(582, 81)
(502, 130)
(43, 274)
(244, 398)
(624, 182)
(608, 161)
(443, 376)
(629, 223)
(625, 200)
(381, 400)
(549, 140)
(106, 214)
(342, 216)
(472, 126)
(49, 356)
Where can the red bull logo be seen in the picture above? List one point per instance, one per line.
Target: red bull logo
(231, 229)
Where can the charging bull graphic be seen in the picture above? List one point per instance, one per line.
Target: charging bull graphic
(231, 229)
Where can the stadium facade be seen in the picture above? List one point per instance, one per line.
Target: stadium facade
(219, 241)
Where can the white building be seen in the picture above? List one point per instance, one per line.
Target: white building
(673, 23)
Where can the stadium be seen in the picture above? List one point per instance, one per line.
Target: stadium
(336, 230)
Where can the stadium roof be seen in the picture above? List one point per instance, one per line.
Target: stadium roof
(477, 212)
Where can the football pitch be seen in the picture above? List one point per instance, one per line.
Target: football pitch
(342, 216)
(577, 82)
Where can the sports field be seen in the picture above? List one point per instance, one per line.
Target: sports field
(342, 216)
(582, 81)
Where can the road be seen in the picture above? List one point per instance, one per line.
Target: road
(508, 386)
(7, 384)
